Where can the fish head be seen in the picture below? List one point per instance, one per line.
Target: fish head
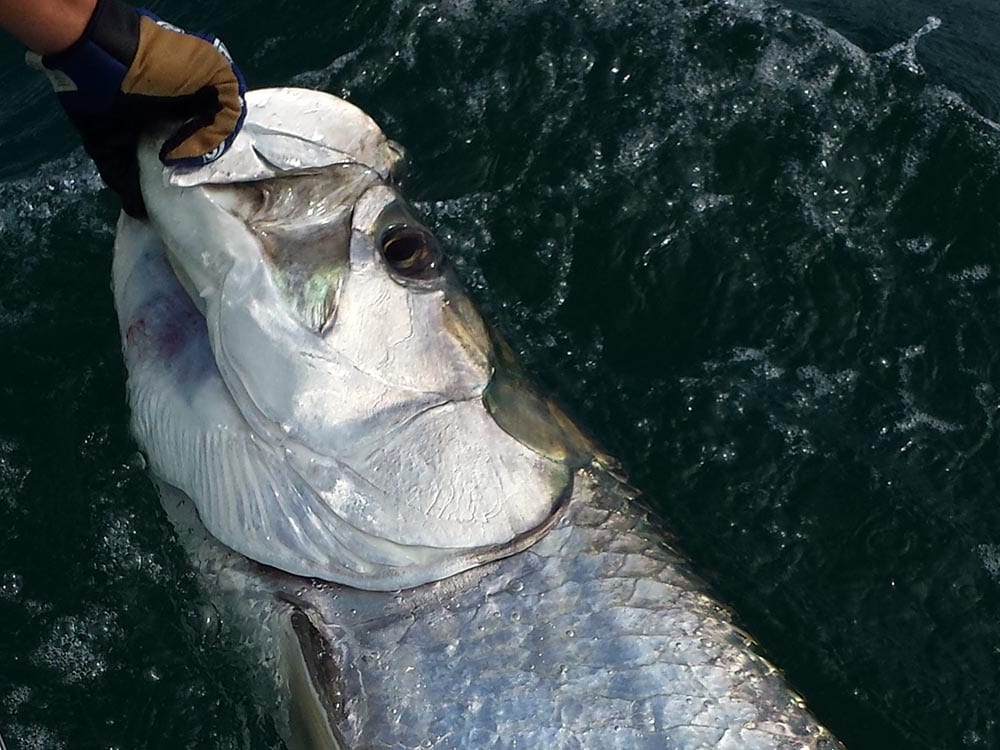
(401, 439)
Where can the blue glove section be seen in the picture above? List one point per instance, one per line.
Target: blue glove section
(97, 77)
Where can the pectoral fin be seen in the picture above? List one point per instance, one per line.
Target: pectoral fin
(315, 700)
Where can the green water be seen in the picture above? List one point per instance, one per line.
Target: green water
(759, 263)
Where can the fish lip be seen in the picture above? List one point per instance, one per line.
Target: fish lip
(398, 578)
(464, 560)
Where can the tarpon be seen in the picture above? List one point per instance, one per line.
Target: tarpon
(426, 551)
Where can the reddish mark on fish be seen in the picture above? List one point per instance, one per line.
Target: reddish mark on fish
(135, 329)
(166, 338)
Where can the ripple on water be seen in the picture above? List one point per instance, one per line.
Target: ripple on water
(755, 258)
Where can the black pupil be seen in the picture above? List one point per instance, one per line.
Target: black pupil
(406, 249)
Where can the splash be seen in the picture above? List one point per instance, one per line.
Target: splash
(905, 53)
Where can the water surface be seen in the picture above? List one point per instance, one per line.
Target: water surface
(756, 259)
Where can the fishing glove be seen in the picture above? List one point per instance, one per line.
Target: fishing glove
(129, 70)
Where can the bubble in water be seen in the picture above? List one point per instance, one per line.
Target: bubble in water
(972, 738)
(990, 556)
(209, 622)
(973, 274)
(152, 674)
(33, 737)
(726, 454)
(76, 646)
(11, 584)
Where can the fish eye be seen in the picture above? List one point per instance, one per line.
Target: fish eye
(410, 251)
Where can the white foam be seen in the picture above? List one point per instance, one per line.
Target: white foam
(990, 556)
(906, 52)
(76, 646)
(33, 737)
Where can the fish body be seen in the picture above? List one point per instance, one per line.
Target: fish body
(597, 636)
(432, 554)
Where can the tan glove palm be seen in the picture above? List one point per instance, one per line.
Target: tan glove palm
(130, 70)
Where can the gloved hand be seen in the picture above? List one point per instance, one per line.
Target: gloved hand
(129, 70)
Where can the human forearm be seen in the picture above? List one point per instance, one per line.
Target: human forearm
(46, 26)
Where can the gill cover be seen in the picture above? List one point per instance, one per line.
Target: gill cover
(330, 399)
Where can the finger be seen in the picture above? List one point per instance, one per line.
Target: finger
(210, 136)
(118, 167)
(169, 64)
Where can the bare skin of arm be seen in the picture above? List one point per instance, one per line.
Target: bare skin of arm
(46, 26)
